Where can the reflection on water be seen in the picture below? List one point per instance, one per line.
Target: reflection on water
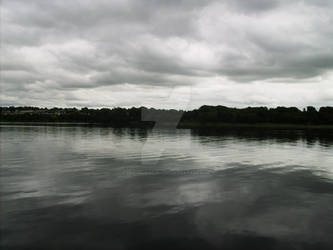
(104, 188)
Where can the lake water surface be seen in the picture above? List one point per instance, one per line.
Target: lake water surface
(104, 188)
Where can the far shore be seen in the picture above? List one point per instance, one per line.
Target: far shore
(182, 125)
(254, 125)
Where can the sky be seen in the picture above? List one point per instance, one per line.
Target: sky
(166, 53)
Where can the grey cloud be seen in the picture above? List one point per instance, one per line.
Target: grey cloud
(253, 5)
(258, 6)
(152, 61)
(71, 45)
(124, 76)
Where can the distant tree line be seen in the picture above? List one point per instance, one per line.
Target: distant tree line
(251, 115)
(137, 117)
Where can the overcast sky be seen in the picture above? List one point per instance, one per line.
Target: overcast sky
(166, 53)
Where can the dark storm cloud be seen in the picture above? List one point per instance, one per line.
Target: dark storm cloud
(71, 45)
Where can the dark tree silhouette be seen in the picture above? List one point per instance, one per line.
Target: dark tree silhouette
(142, 117)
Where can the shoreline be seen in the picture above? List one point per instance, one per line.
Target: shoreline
(181, 125)
(255, 125)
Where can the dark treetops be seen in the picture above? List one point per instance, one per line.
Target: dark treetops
(204, 116)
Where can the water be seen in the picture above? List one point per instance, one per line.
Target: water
(104, 188)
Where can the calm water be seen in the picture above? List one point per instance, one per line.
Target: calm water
(104, 188)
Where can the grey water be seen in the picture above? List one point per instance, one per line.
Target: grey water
(76, 187)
